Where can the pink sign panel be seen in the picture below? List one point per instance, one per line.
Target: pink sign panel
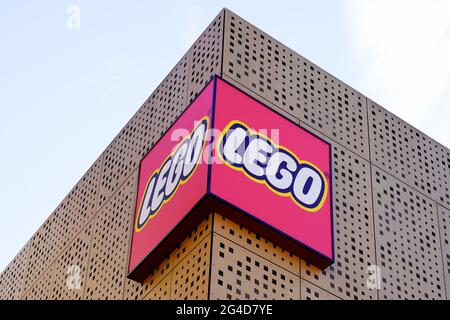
(273, 170)
(229, 153)
(172, 178)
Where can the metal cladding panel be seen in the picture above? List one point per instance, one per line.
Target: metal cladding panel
(237, 273)
(43, 249)
(13, 277)
(69, 218)
(41, 289)
(109, 250)
(190, 278)
(137, 291)
(205, 57)
(290, 82)
(354, 230)
(71, 264)
(409, 155)
(444, 224)
(407, 240)
(183, 275)
(66, 277)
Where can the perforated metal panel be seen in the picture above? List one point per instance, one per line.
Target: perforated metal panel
(407, 239)
(12, 278)
(409, 155)
(253, 242)
(205, 57)
(65, 278)
(353, 227)
(134, 290)
(41, 289)
(289, 81)
(444, 223)
(184, 275)
(237, 273)
(64, 223)
(190, 278)
(312, 292)
(70, 265)
(109, 250)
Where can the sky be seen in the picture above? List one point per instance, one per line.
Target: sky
(67, 88)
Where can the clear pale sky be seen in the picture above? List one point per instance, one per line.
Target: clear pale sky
(65, 94)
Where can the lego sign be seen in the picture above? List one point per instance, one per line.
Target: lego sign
(230, 154)
(263, 161)
(175, 170)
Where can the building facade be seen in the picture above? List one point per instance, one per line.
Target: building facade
(390, 193)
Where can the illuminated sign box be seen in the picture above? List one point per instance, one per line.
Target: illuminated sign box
(228, 153)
